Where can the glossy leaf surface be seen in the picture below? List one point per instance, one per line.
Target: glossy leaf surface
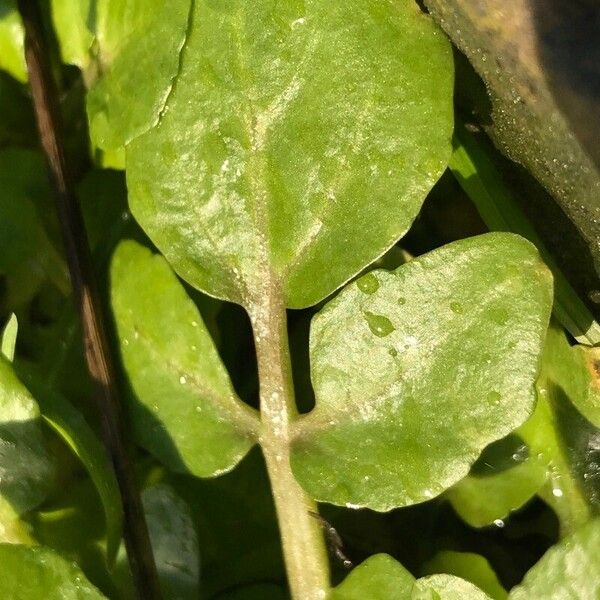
(12, 55)
(380, 577)
(8, 339)
(416, 371)
(446, 587)
(568, 570)
(185, 410)
(561, 489)
(72, 20)
(576, 371)
(285, 137)
(72, 427)
(38, 573)
(482, 500)
(25, 467)
(469, 566)
(139, 46)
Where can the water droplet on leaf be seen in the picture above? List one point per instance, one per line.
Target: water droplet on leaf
(456, 307)
(368, 284)
(379, 325)
(494, 397)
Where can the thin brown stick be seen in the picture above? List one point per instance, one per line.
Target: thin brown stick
(98, 357)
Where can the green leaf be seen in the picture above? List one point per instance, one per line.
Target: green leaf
(561, 490)
(469, 566)
(380, 577)
(185, 410)
(25, 467)
(27, 255)
(72, 24)
(174, 543)
(417, 370)
(576, 371)
(446, 587)
(39, 573)
(12, 529)
(12, 36)
(568, 570)
(72, 427)
(139, 45)
(9, 338)
(559, 466)
(289, 154)
(483, 500)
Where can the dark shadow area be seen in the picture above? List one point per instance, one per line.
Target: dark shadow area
(568, 44)
(413, 536)
(237, 530)
(27, 473)
(560, 235)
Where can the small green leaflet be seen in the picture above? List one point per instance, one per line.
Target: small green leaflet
(38, 573)
(417, 370)
(184, 408)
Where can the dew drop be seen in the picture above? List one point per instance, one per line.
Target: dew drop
(393, 352)
(125, 342)
(198, 409)
(401, 301)
(557, 492)
(182, 380)
(499, 523)
(379, 325)
(456, 307)
(194, 323)
(494, 397)
(368, 284)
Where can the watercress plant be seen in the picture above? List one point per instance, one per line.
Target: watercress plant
(274, 153)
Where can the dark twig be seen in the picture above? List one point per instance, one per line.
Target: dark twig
(47, 111)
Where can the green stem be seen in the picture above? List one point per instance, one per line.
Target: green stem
(301, 535)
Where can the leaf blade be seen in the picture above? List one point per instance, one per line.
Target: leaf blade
(453, 336)
(261, 166)
(185, 412)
